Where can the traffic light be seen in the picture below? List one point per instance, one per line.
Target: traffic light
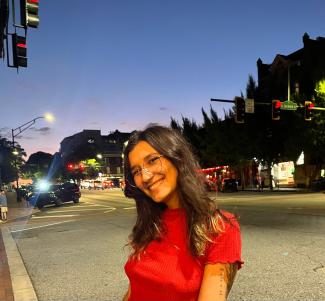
(19, 49)
(29, 13)
(308, 110)
(70, 167)
(240, 110)
(276, 109)
(81, 167)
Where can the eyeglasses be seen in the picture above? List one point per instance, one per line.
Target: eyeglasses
(150, 166)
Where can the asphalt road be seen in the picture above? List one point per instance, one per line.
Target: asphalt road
(76, 252)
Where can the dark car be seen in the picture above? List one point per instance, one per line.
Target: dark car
(318, 184)
(55, 194)
(229, 185)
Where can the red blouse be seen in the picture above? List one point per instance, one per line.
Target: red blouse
(168, 272)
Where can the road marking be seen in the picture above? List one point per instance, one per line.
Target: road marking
(53, 216)
(48, 225)
(100, 205)
(90, 205)
(81, 210)
(128, 208)
(112, 209)
(298, 208)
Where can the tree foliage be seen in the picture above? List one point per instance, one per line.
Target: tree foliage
(38, 165)
(10, 161)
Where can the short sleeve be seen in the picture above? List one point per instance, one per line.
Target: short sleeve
(226, 246)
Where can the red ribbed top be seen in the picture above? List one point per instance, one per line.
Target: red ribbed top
(168, 272)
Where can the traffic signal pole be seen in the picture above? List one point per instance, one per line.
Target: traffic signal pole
(233, 101)
(271, 104)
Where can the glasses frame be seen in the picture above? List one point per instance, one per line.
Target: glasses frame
(132, 182)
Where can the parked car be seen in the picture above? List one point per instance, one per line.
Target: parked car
(318, 184)
(108, 184)
(55, 194)
(229, 185)
(86, 184)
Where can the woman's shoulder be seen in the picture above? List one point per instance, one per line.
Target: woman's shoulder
(225, 246)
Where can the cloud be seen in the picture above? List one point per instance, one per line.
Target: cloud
(44, 130)
(25, 137)
(163, 109)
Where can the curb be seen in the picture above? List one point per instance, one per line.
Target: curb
(21, 284)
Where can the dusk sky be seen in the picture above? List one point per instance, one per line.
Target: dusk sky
(123, 64)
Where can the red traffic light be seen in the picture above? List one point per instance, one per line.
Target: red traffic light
(309, 110)
(276, 109)
(19, 51)
(29, 13)
(81, 167)
(69, 166)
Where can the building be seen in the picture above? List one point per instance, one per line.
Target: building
(106, 149)
(302, 69)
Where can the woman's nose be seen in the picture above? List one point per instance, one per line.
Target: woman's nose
(146, 175)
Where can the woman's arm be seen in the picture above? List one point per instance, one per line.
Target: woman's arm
(127, 295)
(217, 281)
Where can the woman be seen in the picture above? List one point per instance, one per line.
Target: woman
(183, 247)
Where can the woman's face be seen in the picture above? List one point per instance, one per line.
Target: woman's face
(154, 174)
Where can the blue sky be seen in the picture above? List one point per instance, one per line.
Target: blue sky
(109, 65)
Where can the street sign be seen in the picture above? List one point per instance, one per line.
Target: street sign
(249, 105)
(289, 105)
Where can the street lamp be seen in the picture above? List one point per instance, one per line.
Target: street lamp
(15, 132)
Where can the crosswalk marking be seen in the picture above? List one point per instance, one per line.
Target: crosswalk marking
(48, 225)
(76, 210)
(55, 216)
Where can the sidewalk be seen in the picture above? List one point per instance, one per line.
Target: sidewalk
(277, 189)
(15, 284)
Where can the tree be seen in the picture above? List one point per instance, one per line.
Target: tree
(10, 161)
(38, 165)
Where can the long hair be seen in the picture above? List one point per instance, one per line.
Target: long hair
(202, 216)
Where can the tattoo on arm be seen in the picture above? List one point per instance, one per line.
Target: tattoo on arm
(221, 279)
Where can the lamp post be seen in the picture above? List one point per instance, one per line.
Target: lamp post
(15, 132)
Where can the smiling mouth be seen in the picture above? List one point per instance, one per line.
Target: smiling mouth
(155, 184)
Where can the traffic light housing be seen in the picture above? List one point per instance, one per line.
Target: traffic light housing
(19, 49)
(308, 110)
(29, 13)
(276, 109)
(240, 110)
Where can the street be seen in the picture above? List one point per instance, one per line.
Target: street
(76, 252)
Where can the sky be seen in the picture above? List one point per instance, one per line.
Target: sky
(122, 64)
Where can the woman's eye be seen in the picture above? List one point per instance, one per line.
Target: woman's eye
(135, 172)
(153, 160)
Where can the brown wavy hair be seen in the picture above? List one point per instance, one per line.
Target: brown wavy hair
(202, 214)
